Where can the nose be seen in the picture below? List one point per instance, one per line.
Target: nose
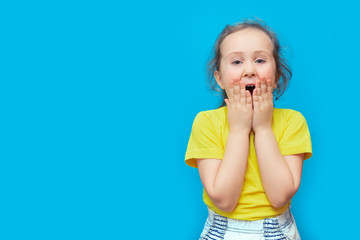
(249, 71)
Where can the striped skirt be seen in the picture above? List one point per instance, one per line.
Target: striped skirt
(282, 227)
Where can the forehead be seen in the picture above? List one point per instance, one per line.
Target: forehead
(247, 40)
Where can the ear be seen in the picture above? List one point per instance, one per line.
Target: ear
(218, 79)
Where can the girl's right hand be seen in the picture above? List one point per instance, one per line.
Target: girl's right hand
(239, 106)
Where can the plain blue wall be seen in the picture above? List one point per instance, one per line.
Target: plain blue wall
(98, 99)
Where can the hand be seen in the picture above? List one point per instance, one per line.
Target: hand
(239, 106)
(263, 105)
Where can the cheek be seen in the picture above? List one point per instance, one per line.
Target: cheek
(268, 72)
(232, 73)
(229, 74)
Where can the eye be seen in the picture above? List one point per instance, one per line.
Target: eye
(260, 60)
(236, 62)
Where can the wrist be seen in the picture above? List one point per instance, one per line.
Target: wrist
(239, 131)
(263, 129)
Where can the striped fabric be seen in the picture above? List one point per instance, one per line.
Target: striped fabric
(282, 227)
(218, 228)
(272, 230)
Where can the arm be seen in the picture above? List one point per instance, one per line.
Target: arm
(223, 179)
(280, 175)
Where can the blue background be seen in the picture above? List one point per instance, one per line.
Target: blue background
(98, 99)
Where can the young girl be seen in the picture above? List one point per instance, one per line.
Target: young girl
(248, 153)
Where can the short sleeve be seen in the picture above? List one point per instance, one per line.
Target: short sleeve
(204, 141)
(296, 136)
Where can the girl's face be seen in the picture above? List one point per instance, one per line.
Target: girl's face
(246, 55)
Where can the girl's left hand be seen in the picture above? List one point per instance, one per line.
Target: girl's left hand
(263, 105)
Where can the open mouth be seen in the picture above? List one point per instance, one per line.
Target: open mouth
(250, 88)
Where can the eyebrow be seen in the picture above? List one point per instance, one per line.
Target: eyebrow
(239, 52)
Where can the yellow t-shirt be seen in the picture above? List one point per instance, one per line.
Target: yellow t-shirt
(208, 140)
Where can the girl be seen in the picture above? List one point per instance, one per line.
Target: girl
(248, 153)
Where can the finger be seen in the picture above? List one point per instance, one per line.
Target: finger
(248, 100)
(255, 94)
(260, 92)
(243, 94)
(263, 87)
(269, 87)
(236, 90)
(231, 90)
(227, 102)
(258, 87)
(256, 99)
